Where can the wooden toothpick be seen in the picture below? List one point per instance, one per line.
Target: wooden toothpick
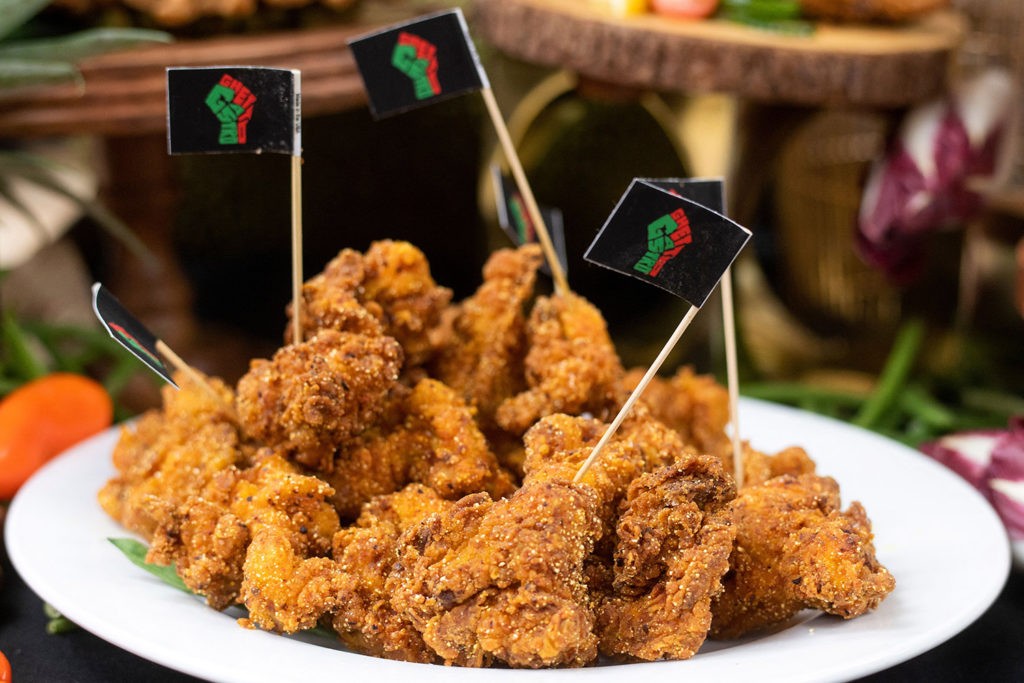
(628, 405)
(732, 374)
(296, 249)
(557, 273)
(193, 376)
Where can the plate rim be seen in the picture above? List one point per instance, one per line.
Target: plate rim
(940, 633)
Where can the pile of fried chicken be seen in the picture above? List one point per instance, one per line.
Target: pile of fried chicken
(405, 477)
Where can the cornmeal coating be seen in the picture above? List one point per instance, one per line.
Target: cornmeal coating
(557, 446)
(659, 444)
(694, 405)
(208, 538)
(313, 396)
(331, 300)
(448, 451)
(796, 549)
(502, 581)
(366, 553)
(283, 590)
(205, 542)
(674, 538)
(373, 464)
(481, 356)
(437, 443)
(571, 366)
(172, 453)
(759, 467)
(401, 293)
(388, 291)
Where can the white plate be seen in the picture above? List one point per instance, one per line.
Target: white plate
(940, 539)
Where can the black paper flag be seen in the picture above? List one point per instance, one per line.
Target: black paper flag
(515, 220)
(669, 241)
(708, 192)
(240, 109)
(128, 331)
(418, 62)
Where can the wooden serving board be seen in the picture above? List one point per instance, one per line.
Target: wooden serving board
(877, 66)
(124, 93)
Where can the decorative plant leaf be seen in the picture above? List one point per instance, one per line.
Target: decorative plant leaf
(71, 48)
(38, 171)
(18, 356)
(17, 73)
(136, 552)
(119, 229)
(58, 623)
(14, 13)
(12, 198)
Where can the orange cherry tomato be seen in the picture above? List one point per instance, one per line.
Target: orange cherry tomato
(686, 9)
(5, 669)
(43, 418)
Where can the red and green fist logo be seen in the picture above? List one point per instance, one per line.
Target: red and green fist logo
(232, 103)
(417, 59)
(666, 237)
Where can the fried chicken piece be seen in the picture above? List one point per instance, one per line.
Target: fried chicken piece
(794, 549)
(571, 366)
(388, 291)
(275, 493)
(482, 355)
(312, 397)
(659, 444)
(284, 591)
(759, 467)
(373, 464)
(171, 454)
(176, 13)
(694, 405)
(366, 552)
(207, 545)
(330, 300)
(437, 443)
(502, 581)
(674, 540)
(449, 452)
(400, 291)
(180, 12)
(558, 445)
(209, 537)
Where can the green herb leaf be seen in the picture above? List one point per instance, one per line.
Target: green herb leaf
(20, 361)
(136, 552)
(894, 375)
(40, 171)
(12, 198)
(787, 27)
(14, 13)
(16, 73)
(76, 46)
(765, 10)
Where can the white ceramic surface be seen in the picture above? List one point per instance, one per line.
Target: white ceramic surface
(941, 540)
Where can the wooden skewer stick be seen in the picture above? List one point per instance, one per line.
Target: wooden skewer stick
(192, 375)
(296, 249)
(557, 274)
(628, 405)
(732, 374)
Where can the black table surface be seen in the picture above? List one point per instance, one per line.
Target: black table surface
(991, 649)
